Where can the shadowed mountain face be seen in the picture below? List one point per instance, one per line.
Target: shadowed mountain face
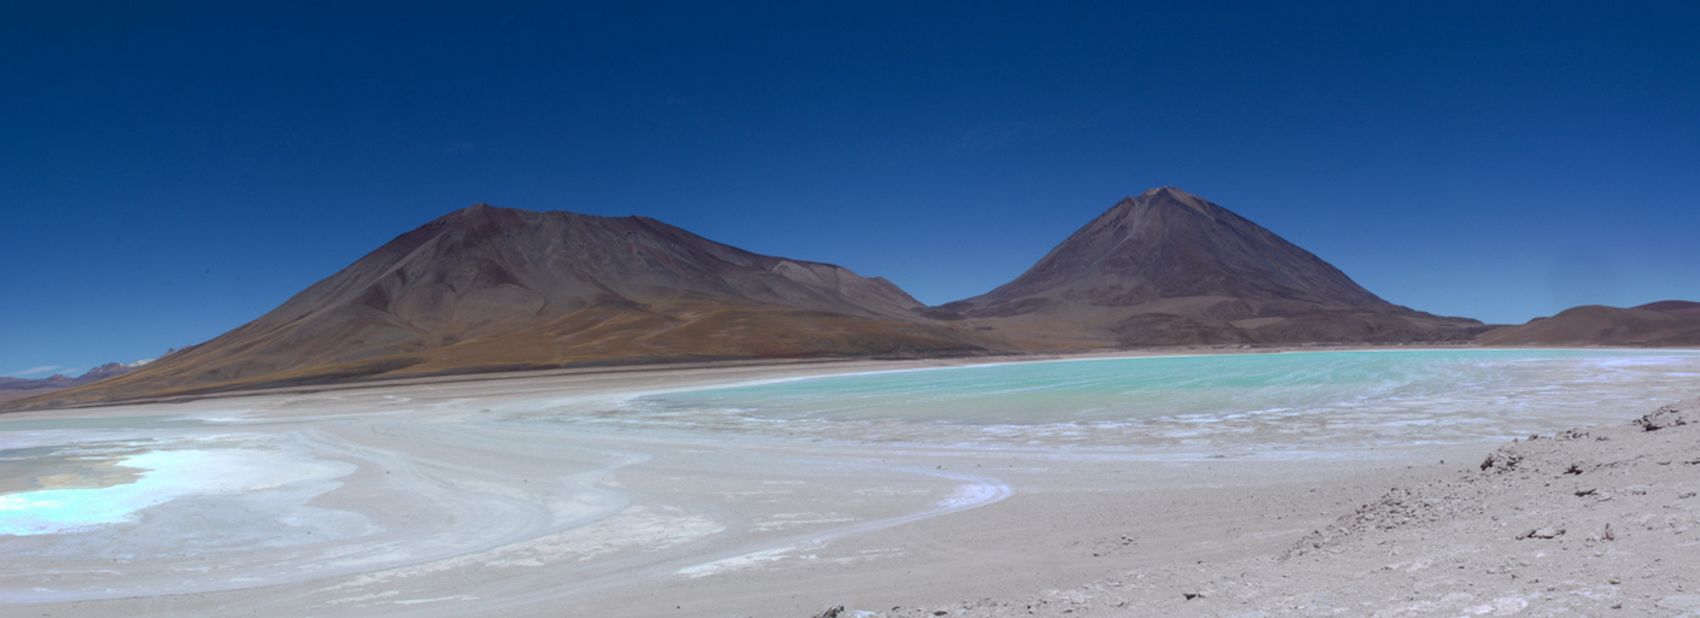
(491, 288)
(1168, 267)
(1664, 323)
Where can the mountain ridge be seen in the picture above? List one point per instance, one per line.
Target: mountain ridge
(486, 288)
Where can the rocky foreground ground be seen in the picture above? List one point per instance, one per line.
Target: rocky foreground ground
(1589, 522)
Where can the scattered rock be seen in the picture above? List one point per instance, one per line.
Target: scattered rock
(1542, 533)
(1662, 418)
(1502, 460)
(831, 612)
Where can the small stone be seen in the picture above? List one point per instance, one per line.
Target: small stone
(1542, 533)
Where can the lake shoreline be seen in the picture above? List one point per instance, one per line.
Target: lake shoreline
(540, 495)
(786, 366)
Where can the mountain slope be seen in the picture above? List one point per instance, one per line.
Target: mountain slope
(1664, 323)
(1168, 267)
(489, 288)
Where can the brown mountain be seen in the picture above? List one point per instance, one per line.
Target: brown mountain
(489, 288)
(1168, 267)
(1664, 323)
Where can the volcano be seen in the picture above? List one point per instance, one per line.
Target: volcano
(486, 289)
(1170, 268)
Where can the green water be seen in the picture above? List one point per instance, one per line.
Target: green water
(1359, 395)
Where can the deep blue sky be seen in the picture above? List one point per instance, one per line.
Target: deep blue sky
(168, 172)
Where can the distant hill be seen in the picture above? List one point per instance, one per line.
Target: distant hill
(1664, 323)
(1168, 268)
(18, 388)
(485, 288)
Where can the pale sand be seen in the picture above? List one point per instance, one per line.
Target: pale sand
(465, 498)
(1603, 521)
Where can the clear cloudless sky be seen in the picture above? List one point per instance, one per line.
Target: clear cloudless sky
(169, 171)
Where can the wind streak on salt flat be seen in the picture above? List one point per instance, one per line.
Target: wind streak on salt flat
(973, 492)
(446, 490)
(258, 508)
(717, 549)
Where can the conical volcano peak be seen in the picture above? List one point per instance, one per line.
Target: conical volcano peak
(1165, 196)
(1168, 267)
(1168, 191)
(1153, 207)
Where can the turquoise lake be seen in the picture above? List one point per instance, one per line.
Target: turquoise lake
(1286, 400)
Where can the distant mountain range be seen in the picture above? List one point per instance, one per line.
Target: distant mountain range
(18, 388)
(490, 289)
(1664, 323)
